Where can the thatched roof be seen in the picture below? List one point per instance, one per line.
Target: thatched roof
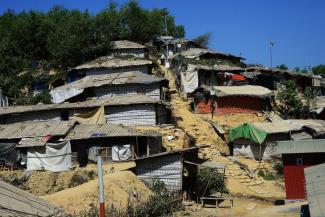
(113, 62)
(245, 90)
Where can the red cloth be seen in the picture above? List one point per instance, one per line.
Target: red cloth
(237, 77)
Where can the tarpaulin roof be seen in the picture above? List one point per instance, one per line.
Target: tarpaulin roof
(248, 131)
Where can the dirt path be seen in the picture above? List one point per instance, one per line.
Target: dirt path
(244, 208)
(198, 127)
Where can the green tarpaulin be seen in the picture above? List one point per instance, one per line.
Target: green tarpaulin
(248, 131)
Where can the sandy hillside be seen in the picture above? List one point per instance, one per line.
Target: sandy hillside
(119, 188)
(196, 127)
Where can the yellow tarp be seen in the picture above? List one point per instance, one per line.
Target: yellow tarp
(96, 116)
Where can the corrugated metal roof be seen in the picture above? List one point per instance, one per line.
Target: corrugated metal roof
(113, 62)
(278, 127)
(35, 129)
(85, 131)
(193, 53)
(284, 126)
(112, 79)
(17, 202)
(315, 186)
(169, 153)
(125, 44)
(32, 142)
(301, 136)
(222, 68)
(301, 146)
(112, 101)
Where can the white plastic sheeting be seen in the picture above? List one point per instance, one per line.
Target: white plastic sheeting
(59, 96)
(190, 79)
(54, 157)
(121, 152)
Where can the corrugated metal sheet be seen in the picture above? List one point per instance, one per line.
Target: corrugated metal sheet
(294, 182)
(19, 203)
(166, 168)
(315, 186)
(133, 77)
(144, 114)
(114, 101)
(85, 131)
(38, 116)
(32, 142)
(301, 146)
(35, 129)
(152, 90)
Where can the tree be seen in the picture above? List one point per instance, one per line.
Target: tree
(63, 38)
(290, 104)
(296, 69)
(282, 66)
(319, 70)
(308, 97)
(203, 40)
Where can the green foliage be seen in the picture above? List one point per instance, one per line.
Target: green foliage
(211, 181)
(319, 70)
(308, 97)
(278, 167)
(203, 40)
(63, 38)
(282, 66)
(296, 69)
(161, 203)
(159, 187)
(291, 105)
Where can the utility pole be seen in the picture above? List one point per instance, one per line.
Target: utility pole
(212, 92)
(165, 14)
(101, 186)
(271, 45)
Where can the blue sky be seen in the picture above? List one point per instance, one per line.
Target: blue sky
(297, 27)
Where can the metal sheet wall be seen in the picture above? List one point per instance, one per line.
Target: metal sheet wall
(166, 168)
(152, 90)
(131, 115)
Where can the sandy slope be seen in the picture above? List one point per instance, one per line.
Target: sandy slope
(120, 188)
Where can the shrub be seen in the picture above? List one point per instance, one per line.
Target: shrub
(161, 203)
(210, 181)
(278, 167)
